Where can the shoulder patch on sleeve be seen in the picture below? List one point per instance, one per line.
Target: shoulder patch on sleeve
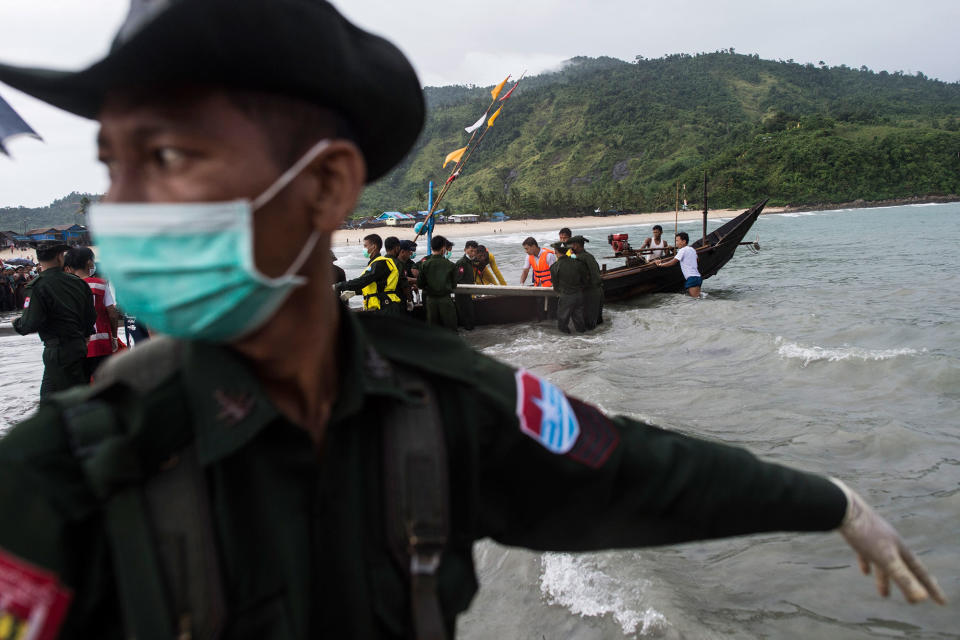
(565, 426)
(33, 602)
(545, 413)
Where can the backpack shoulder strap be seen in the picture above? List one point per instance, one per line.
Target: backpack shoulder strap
(158, 521)
(417, 497)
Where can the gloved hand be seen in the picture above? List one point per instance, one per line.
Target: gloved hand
(114, 344)
(878, 545)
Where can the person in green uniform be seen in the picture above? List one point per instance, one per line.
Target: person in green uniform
(570, 278)
(466, 274)
(380, 281)
(234, 477)
(593, 292)
(59, 307)
(437, 280)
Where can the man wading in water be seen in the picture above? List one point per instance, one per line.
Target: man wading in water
(279, 466)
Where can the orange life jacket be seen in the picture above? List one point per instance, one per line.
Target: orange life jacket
(541, 268)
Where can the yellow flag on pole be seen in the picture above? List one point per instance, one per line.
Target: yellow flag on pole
(494, 117)
(454, 156)
(497, 89)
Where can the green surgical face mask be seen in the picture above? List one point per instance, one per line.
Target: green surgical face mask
(187, 269)
(366, 254)
(448, 255)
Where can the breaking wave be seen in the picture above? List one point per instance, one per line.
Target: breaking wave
(795, 351)
(575, 582)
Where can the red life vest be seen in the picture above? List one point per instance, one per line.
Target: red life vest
(100, 343)
(541, 268)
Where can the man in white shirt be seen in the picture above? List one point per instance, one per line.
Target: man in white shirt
(657, 243)
(687, 258)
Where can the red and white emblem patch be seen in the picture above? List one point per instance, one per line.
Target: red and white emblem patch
(33, 603)
(564, 425)
(545, 413)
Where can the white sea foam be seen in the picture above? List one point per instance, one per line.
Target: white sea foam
(575, 582)
(792, 350)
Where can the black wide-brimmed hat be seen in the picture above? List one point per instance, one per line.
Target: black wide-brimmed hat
(298, 48)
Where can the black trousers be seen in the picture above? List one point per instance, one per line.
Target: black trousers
(465, 317)
(570, 309)
(63, 366)
(592, 307)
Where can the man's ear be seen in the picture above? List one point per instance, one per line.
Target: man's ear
(339, 174)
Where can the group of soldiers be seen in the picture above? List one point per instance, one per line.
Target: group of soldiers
(73, 312)
(391, 281)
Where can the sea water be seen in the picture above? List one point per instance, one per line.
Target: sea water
(836, 349)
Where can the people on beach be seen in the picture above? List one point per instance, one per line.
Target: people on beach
(569, 277)
(437, 282)
(658, 245)
(379, 281)
(466, 274)
(59, 307)
(539, 260)
(339, 275)
(593, 291)
(286, 468)
(487, 270)
(687, 258)
(103, 343)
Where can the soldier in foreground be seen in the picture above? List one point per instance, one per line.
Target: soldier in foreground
(279, 467)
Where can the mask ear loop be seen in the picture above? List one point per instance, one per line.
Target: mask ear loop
(280, 184)
(287, 176)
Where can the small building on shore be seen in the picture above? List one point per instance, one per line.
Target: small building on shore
(463, 218)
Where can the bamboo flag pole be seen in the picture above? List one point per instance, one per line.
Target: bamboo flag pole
(461, 163)
(676, 213)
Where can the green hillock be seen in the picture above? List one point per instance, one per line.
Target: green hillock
(609, 134)
(604, 133)
(70, 209)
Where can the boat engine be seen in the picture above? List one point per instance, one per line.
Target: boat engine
(619, 243)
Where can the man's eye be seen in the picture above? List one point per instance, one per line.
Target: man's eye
(169, 157)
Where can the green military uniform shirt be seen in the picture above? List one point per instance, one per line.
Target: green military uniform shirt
(466, 271)
(59, 305)
(569, 275)
(593, 269)
(300, 530)
(438, 276)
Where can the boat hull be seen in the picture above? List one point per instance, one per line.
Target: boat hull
(626, 282)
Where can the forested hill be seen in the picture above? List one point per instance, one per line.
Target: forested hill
(617, 135)
(70, 209)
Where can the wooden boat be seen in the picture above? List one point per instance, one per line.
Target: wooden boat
(626, 281)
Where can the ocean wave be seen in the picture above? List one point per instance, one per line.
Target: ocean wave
(791, 350)
(575, 582)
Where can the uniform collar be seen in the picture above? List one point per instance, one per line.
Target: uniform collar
(230, 407)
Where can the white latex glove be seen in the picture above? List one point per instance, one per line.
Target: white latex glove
(878, 545)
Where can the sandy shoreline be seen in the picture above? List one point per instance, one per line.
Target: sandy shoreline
(540, 229)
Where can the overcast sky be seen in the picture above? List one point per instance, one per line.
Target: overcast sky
(457, 42)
